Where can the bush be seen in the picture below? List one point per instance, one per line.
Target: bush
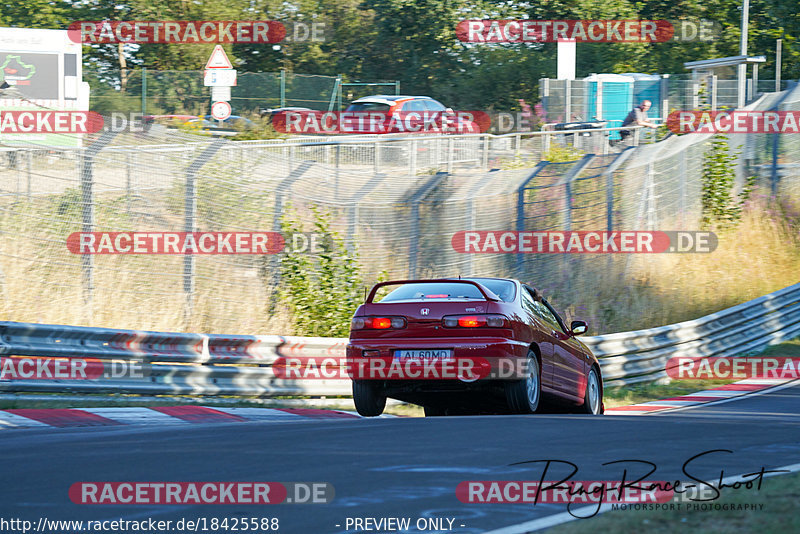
(321, 291)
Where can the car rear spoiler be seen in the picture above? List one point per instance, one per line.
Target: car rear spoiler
(487, 294)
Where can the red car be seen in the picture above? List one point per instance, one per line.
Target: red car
(461, 346)
(412, 112)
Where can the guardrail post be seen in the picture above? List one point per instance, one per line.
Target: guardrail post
(190, 216)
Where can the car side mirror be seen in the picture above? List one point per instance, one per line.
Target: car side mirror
(578, 328)
(449, 111)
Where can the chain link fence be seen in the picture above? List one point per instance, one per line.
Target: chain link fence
(156, 92)
(396, 201)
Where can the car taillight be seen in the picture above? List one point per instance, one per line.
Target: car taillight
(377, 323)
(474, 321)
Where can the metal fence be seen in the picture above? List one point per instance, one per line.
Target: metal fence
(586, 100)
(173, 92)
(397, 201)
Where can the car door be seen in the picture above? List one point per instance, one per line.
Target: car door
(568, 358)
(545, 346)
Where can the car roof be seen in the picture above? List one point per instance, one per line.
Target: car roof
(388, 99)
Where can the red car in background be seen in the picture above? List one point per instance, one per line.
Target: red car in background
(414, 110)
(515, 348)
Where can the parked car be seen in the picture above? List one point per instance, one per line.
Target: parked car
(500, 323)
(419, 106)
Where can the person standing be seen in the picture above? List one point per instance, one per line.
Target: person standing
(637, 117)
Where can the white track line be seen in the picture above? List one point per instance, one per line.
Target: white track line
(135, 416)
(12, 420)
(746, 395)
(566, 517)
(261, 414)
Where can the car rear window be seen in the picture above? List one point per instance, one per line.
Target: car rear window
(505, 289)
(367, 106)
(444, 291)
(439, 291)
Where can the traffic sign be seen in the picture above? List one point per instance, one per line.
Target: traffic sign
(219, 77)
(219, 59)
(220, 93)
(220, 110)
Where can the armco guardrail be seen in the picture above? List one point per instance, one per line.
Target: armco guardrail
(200, 364)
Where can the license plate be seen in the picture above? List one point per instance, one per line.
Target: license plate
(424, 354)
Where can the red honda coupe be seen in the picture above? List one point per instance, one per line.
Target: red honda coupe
(469, 346)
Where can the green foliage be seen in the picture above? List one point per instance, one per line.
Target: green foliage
(322, 290)
(562, 154)
(720, 208)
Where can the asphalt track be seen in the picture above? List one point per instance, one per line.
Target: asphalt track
(403, 467)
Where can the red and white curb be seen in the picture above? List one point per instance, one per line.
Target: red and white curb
(728, 391)
(159, 415)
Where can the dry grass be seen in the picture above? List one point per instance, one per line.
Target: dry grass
(758, 257)
(40, 281)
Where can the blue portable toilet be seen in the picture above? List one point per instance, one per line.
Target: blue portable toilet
(647, 87)
(617, 99)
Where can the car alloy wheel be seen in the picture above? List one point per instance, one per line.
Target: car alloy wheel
(592, 398)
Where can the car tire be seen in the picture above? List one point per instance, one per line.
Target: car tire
(368, 400)
(523, 395)
(593, 397)
(434, 411)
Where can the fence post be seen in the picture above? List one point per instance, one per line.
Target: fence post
(128, 192)
(714, 85)
(521, 211)
(682, 190)
(485, 158)
(28, 167)
(337, 156)
(377, 151)
(599, 100)
(413, 158)
(87, 215)
(190, 216)
(450, 148)
(567, 100)
(144, 92)
(283, 88)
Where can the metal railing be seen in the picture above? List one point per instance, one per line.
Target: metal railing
(209, 365)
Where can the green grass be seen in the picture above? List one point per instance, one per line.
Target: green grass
(778, 495)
